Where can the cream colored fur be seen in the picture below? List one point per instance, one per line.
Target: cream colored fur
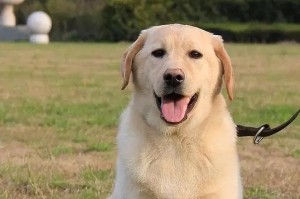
(196, 159)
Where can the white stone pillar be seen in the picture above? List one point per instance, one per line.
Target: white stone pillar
(40, 25)
(7, 16)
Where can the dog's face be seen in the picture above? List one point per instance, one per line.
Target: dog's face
(177, 70)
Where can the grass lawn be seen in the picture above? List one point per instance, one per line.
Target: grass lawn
(60, 104)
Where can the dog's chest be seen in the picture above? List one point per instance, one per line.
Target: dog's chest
(174, 168)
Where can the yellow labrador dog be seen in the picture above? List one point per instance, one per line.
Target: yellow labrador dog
(176, 138)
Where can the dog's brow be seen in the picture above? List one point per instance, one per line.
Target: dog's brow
(154, 46)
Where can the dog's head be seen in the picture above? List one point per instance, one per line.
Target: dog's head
(178, 69)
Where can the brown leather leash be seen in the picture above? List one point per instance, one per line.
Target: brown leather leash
(263, 131)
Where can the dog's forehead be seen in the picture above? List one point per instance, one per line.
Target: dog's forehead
(177, 33)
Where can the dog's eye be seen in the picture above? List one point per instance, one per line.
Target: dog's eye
(159, 53)
(195, 54)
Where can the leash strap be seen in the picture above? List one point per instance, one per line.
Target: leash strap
(264, 130)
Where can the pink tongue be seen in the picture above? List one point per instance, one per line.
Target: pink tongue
(174, 110)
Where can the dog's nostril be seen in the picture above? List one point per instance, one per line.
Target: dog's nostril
(179, 78)
(168, 77)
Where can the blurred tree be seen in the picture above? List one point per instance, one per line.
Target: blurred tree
(116, 20)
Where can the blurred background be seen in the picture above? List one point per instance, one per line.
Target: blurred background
(117, 20)
(60, 103)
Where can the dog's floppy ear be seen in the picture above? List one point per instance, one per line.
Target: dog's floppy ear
(128, 57)
(226, 63)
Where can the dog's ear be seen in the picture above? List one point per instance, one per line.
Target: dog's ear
(221, 53)
(128, 57)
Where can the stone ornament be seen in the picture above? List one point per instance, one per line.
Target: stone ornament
(7, 16)
(40, 25)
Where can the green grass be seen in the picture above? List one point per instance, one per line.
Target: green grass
(100, 147)
(60, 106)
(96, 175)
(258, 192)
(296, 153)
(61, 149)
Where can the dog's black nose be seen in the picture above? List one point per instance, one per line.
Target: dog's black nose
(173, 77)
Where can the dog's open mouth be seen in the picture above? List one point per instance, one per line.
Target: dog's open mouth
(174, 107)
